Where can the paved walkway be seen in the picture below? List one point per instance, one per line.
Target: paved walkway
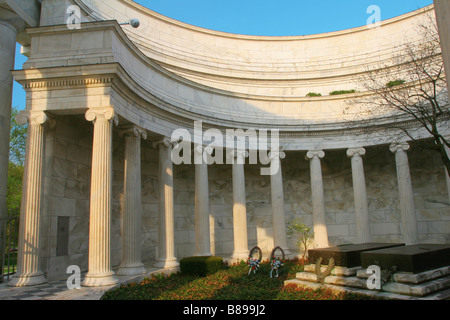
(56, 289)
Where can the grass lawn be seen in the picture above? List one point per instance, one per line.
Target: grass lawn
(231, 283)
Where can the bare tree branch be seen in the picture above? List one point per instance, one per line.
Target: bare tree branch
(413, 83)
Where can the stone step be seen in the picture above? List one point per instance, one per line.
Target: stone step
(407, 277)
(421, 277)
(337, 271)
(440, 295)
(334, 288)
(334, 280)
(419, 290)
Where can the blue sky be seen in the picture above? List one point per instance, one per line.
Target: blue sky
(266, 17)
(279, 17)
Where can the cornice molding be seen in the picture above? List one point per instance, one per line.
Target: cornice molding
(113, 75)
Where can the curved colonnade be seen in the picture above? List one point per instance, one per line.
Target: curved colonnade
(139, 86)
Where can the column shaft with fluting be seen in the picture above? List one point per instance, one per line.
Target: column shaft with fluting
(278, 214)
(406, 196)
(318, 202)
(28, 268)
(241, 250)
(447, 177)
(202, 232)
(99, 266)
(10, 25)
(131, 263)
(360, 195)
(166, 229)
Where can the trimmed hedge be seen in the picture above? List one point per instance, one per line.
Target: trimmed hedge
(201, 266)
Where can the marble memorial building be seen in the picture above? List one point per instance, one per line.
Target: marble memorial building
(101, 190)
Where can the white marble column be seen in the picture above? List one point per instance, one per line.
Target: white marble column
(10, 25)
(202, 232)
(99, 266)
(241, 250)
(277, 194)
(442, 11)
(28, 268)
(131, 263)
(360, 194)
(407, 208)
(446, 174)
(318, 201)
(166, 233)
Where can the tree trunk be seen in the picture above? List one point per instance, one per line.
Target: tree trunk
(445, 158)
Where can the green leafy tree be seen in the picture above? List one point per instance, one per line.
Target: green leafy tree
(302, 232)
(17, 148)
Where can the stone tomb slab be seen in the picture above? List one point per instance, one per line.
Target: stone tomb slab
(412, 258)
(348, 256)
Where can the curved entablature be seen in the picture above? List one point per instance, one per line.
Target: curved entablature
(290, 66)
(103, 64)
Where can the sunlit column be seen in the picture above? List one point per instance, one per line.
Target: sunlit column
(277, 194)
(407, 208)
(442, 11)
(10, 25)
(241, 250)
(131, 237)
(99, 266)
(28, 268)
(360, 194)
(318, 203)
(446, 174)
(166, 234)
(202, 232)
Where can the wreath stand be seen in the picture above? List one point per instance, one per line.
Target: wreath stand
(254, 259)
(276, 263)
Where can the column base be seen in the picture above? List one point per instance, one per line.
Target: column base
(100, 280)
(27, 280)
(166, 263)
(238, 256)
(131, 270)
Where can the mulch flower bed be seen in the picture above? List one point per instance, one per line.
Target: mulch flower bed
(231, 283)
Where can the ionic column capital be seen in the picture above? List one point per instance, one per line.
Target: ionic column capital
(199, 149)
(11, 20)
(399, 146)
(134, 130)
(200, 152)
(315, 154)
(106, 113)
(356, 152)
(277, 153)
(35, 118)
(239, 155)
(166, 142)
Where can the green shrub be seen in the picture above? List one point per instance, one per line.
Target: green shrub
(314, 94)
(335, 93)
(200, 266)
(394, 83)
